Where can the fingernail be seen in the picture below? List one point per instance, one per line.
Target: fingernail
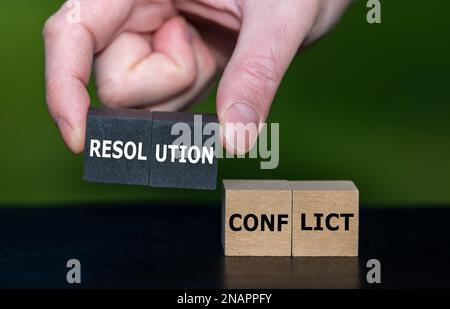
(241, 127)
(73, 137)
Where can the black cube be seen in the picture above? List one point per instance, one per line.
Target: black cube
(117, 148)
(183, 151)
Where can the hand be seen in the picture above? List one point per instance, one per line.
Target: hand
(145, 54)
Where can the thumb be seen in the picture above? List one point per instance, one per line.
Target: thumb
(270, 36)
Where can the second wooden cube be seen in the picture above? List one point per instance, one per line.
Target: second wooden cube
(325, 218)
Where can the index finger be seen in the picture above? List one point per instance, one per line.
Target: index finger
(72, 36)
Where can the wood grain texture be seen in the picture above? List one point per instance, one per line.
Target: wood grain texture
(269, 197)
(324, 197)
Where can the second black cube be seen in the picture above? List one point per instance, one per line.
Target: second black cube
(184, 150)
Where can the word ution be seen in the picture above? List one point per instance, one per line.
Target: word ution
(183, 154)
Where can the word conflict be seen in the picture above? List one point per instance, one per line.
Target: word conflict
(284, 218)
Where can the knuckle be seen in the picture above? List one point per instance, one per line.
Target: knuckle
(111, 93)
(184, 75)
(50, 27)
(188, 79)
(259, 73)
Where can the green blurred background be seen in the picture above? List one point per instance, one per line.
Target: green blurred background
(369, 103)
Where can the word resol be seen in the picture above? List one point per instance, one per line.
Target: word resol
(117, 150)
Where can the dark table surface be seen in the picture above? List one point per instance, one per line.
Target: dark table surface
(178, 246)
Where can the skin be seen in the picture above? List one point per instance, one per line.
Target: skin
(163, 55)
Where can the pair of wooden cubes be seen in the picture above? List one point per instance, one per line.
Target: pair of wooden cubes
(284, 218)
(158, 149)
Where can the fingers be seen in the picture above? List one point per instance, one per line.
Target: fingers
(206, 71)
(271, 34)
(137, 70)
(70, 47)
(328, 16)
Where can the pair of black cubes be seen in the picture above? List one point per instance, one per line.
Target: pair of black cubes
(158, 149)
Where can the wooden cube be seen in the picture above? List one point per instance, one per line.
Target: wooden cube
(325, 218)
(256, 217)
